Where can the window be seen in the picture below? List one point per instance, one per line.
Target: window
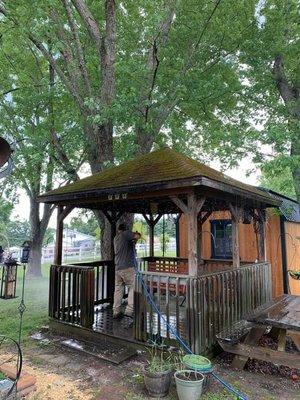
(221, 241)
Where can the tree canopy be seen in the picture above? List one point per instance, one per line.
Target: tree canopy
(93, 83)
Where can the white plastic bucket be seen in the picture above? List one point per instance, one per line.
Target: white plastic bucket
(189, 389)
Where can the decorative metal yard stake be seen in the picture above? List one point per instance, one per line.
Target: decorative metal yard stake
(12, 393)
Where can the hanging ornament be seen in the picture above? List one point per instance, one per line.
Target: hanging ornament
(6, 162)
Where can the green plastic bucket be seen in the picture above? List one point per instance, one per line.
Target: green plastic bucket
(199, 364)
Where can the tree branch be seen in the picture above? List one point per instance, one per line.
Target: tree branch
(63, 158)
(79, 50)
(59, 72)
(153, 60)
(89, 21)
(287, 92)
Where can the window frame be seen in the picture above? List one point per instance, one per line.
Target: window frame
(213, 226)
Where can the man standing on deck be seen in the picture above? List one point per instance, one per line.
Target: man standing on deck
(125, 260)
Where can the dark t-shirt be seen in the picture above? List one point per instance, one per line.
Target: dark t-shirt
(124, 247)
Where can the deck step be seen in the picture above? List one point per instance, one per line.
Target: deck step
(107, 350)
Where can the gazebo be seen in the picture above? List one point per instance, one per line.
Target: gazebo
(199, 297)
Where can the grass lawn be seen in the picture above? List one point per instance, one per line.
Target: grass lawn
(36, 313)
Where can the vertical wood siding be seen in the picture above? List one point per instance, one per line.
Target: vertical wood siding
(248, 244)
(292, 239)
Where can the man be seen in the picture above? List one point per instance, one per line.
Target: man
(125, 260)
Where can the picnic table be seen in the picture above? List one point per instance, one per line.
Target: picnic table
(281, 317)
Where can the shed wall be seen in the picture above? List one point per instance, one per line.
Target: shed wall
(292, 238)
(248, 244)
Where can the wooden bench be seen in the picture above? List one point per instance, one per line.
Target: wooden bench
(282, 316)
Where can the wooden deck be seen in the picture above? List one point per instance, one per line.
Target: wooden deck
(197, 307)
(105, 324)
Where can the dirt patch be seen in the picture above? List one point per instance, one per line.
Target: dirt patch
(64, 374)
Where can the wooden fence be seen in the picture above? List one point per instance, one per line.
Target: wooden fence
(198, 308)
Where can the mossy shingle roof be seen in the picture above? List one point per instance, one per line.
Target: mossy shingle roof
(164, 165)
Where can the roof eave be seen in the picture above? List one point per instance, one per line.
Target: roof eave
(184, 182)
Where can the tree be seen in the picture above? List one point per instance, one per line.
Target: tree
(85, 223)
(141, 227)
(164, 241)
(17, 232)
(5, 212)
(139, 71)
(29, 118)
(279, 55)
(278, 179)
(270, 61)
(49, 236)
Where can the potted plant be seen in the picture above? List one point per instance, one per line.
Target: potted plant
(189, 384)
(158, 372)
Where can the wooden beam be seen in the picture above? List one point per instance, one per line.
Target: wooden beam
(203, 218)
(151, 221)
(235, 217)
(194, 251)
(66, 211)
(62, 213)
(252, 339)
(262, 256)
(291, 360)
(180, 204)
(59, 236)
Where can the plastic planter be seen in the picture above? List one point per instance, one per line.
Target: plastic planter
(200, 364)
(189, 384)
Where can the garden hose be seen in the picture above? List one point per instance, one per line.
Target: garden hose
(180, 340)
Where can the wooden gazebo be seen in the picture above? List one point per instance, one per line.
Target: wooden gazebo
(199, 297)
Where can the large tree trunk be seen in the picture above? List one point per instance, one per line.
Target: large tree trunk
(35, 259)
(38, 228)
(144, 140)
(34, 265)
(295, 152)
(290, 95)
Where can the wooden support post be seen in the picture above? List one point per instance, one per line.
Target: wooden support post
(112, 218)
(87, 293)
(192, 209)
(151, 221)
(62, 213)
(261, 235)
(235, 217)
(199, 241)
(177, 234)
(192, 235)
(59, 237)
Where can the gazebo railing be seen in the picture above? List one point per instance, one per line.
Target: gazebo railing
(172, 265)
(199, 307)
(179, 265)
(75, 290)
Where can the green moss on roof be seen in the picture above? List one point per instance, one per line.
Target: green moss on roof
(158, 166)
